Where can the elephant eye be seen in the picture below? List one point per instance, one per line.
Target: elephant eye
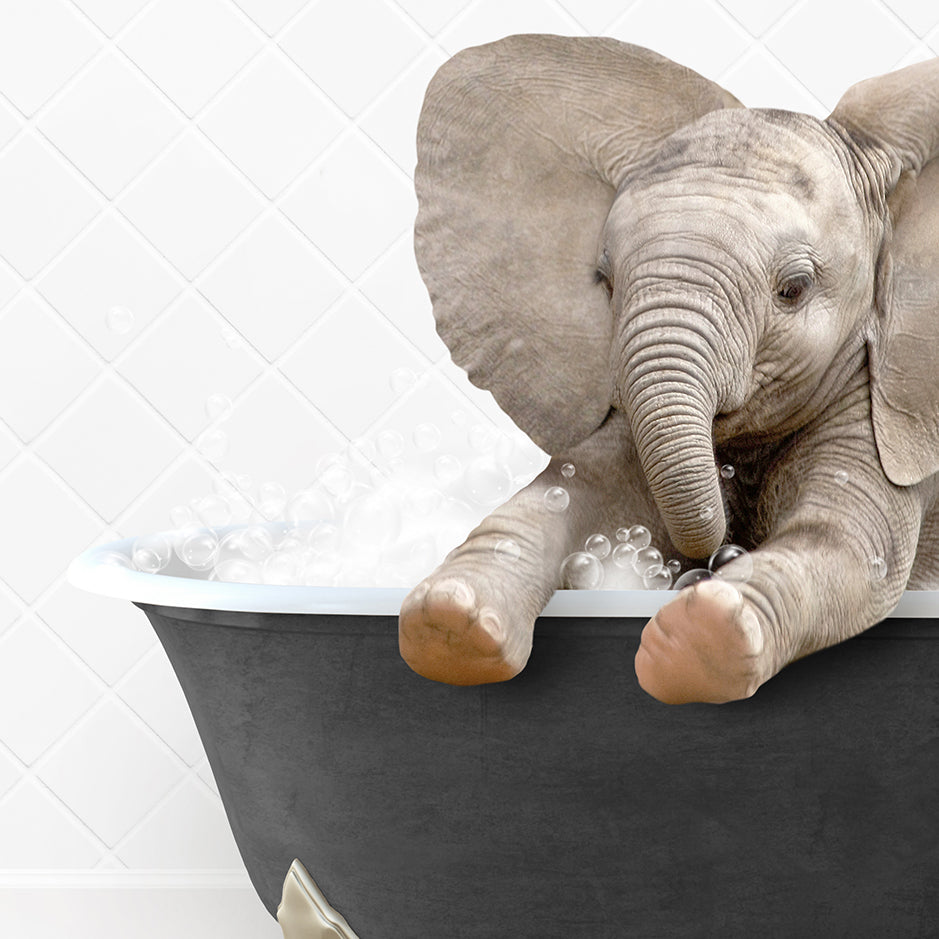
(792, 289)
(603, 274)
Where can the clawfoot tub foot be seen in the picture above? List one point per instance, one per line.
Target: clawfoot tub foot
(304, 913)
(705, 645)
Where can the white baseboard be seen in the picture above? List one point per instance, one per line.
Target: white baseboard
(141, 905)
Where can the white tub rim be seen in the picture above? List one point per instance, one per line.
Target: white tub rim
(91, 572)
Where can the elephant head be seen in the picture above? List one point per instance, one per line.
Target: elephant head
(600, 227)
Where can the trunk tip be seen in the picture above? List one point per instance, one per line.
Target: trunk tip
(702, 542)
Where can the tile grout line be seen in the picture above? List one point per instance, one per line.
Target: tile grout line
(270, 366)
(107, 694)
(189, 286)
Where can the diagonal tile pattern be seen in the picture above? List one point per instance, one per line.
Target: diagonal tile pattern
(48, 199)
(109, 268)
(351, 64)
(183, 361)
(42, 44)
(190, 204)
(190, 48)
(255, 123)
(274, 268)
(38, 352)
(205, 196)
(111, 123)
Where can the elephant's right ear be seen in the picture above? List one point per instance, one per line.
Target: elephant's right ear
(522, 145)
(894, 121)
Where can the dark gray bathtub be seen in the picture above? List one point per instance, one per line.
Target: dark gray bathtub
(568, 803)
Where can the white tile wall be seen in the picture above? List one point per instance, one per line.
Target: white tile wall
(215, 196)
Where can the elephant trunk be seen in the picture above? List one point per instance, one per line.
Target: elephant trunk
(670, 395)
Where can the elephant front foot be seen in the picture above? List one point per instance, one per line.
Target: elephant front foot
(705, 645)
(447, 634)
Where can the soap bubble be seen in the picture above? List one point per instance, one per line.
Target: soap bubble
(319, 570)
(372, 521)
(556, 499)
(236, 571)
(674, 565)
(182, 516)
(390, 444)
(692, 577)
(841, 477)
(229, 547)
(598, 545)
(218, 407)
(294, 539)
(366, 448)
(255, 542)
(272, 499)
(324, 538)
(225, 482)
(426, 437)
(151, 553)
(404, 563)
(115, 559)
(743, 566)
(706, 513)
(507, 551)
(234, 506)
(727, 471)
(488, 481)
(646, 559)
(307, 506)
(422, 501)
(353, 575)
(213, 511)
(637, 537)
(390, 572)
(460, 418)
(394, 465)
(581, 571)
(198, 548)
(447, 468)
(422, 555)
(878, 568)
(657, 578)
(482, 438)
(334, 474)
(213, 444)
(505, 448)
(623, 556)
(568, 470)
(281, 568)
(241, 509)
(402, 379)
(521, 455)
(120, 320)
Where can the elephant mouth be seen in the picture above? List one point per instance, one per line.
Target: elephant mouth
(759, 422)
(739, 428)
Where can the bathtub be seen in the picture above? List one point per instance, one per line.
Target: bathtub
(369, 802)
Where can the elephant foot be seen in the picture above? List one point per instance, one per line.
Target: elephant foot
(705, 645)
(446, 634)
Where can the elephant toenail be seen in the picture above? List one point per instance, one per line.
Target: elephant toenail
(492, 625)
(456, 592)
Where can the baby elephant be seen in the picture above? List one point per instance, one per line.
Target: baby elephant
(654, 281)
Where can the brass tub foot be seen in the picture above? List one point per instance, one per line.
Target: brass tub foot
(304, 913)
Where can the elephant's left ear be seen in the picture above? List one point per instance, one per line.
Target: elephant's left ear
(894, 122)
